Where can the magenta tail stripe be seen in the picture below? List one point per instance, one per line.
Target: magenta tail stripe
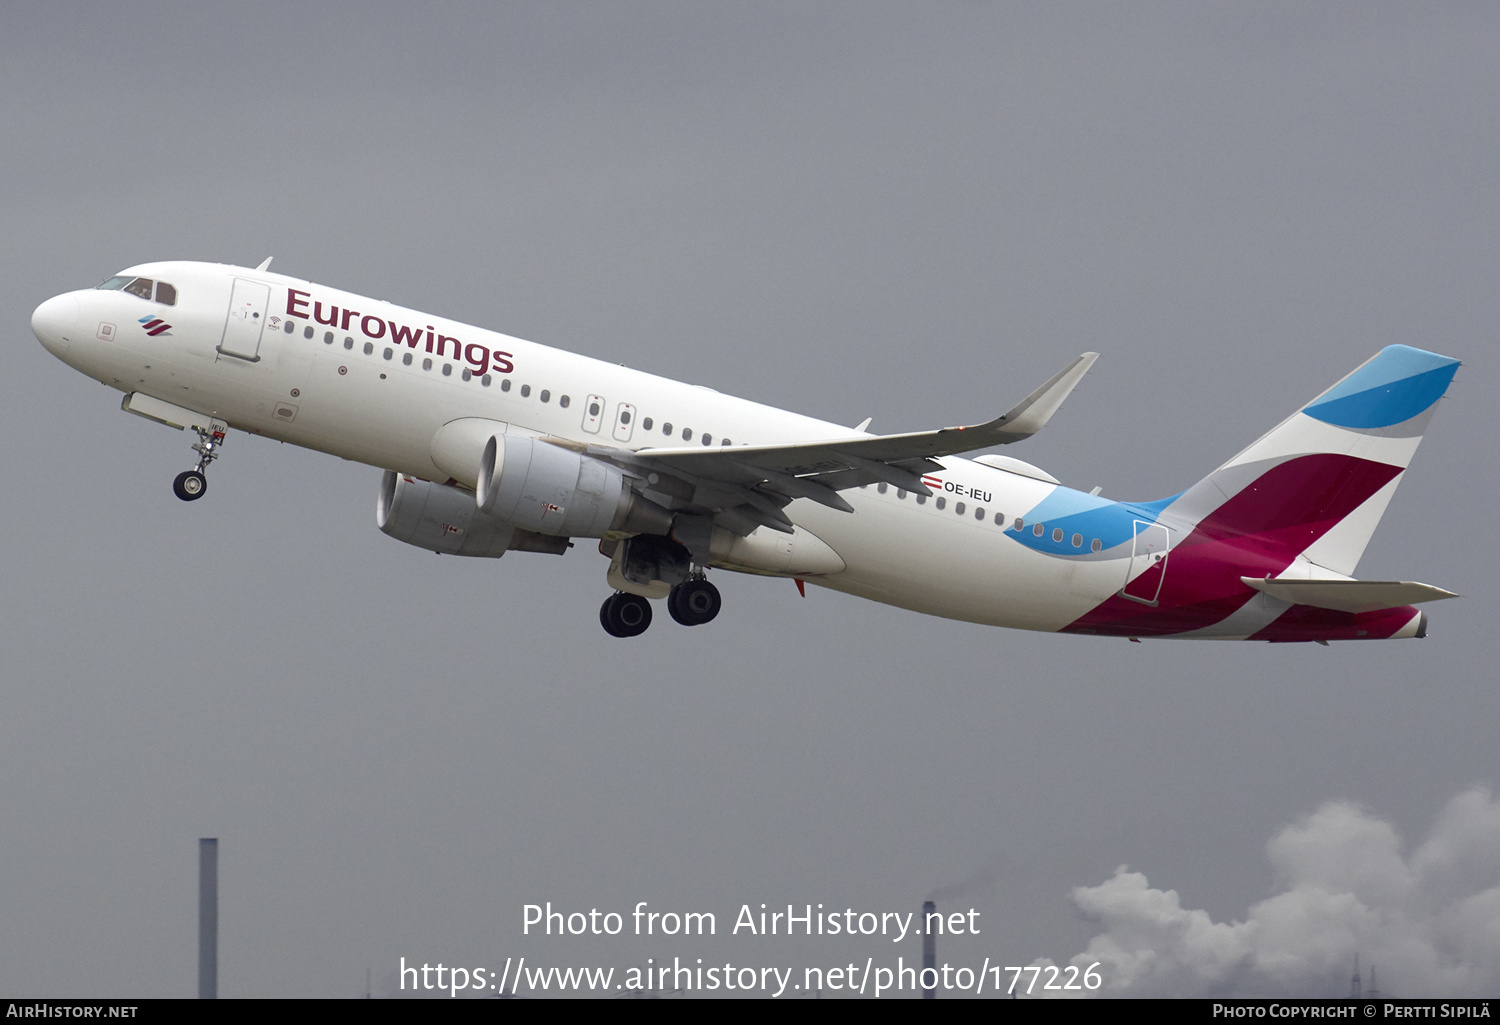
(1258, 532)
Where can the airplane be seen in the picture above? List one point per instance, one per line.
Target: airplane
(490, 444)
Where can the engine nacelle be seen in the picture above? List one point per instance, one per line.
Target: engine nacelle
(439, 518)
(552, 490)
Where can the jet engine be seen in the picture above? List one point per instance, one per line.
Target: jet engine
(547, 489)
(439, 518)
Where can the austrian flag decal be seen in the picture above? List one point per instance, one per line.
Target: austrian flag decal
(155, 326)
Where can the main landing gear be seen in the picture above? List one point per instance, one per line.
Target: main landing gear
(191, 484)
(693, 602)
(624, 614)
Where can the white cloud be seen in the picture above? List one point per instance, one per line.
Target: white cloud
(1428, 922)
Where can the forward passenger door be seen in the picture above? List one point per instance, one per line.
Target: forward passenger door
(246, 321)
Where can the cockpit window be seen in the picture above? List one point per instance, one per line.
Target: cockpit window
(144, 287)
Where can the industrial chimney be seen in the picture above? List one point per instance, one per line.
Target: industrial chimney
(929, 951)
(208, 918)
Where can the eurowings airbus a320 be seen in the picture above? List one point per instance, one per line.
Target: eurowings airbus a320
(491, 444)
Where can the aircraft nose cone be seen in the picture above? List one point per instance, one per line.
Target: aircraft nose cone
(53, 323)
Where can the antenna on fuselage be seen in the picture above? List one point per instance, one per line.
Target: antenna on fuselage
(265, 263)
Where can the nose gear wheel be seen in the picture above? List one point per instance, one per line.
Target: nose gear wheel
(189, 485)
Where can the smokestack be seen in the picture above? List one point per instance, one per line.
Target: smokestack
(929, 950)
(208, 918)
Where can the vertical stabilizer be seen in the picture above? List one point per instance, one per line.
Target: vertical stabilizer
(1256, 548)
(1318, 483)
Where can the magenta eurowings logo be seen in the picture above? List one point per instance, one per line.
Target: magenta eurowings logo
(155, 326)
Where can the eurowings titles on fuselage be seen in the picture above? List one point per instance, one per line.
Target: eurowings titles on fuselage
(479, 358)
(491, 444)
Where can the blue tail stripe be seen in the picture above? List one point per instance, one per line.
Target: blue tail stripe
(1389, 365)
(1383, 404)
(1113, 523)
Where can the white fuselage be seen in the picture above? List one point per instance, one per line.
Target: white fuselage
(373, 382)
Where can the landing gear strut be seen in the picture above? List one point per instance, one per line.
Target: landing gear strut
(191, 484)
(625, 615)
(694, 602)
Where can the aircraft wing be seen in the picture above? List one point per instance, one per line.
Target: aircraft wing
(747, 486)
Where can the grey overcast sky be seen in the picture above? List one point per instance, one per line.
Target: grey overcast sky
(915, 212)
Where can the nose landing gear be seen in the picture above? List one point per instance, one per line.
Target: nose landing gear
(191, 484)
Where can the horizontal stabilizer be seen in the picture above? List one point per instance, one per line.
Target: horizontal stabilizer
(1349, 595)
